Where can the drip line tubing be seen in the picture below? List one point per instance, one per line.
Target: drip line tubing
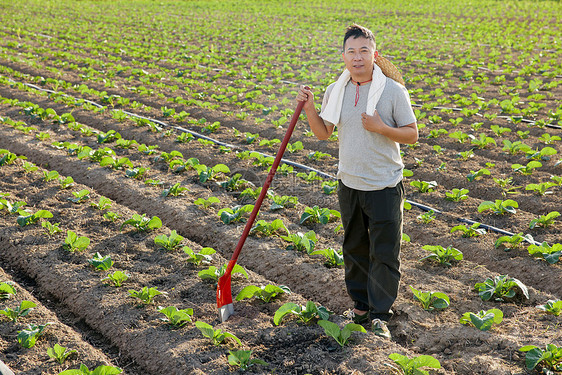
(289, 162)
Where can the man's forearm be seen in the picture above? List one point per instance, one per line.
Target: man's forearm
(317, 125)
(405, 135)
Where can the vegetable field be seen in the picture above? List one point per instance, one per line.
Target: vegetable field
(135, 137)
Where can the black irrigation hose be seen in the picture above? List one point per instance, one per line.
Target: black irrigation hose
(297, 165)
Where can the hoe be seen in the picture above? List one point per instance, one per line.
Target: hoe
(224, 293)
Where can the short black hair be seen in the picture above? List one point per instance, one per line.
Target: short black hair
(357, 31)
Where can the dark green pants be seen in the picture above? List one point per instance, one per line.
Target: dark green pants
(372, 222)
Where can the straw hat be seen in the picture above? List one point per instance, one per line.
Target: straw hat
(389, 69)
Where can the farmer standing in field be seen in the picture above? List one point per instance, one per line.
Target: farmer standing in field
(374, 115)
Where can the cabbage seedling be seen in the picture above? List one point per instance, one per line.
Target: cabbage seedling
(100, 262)
(136, 173)
(284, 201)
(301, 242)
(142, 223)
(175, 317)
(146, 295)
(22, 310)
(501, 287)
(467, 232)
(217, 336)
(426, 217)
(424, 186)
(310, 177)
(241, 358)
(483, 320)
(74, 243)
(318, 215)
(7, 290)
(499, 207)
(541, 189)
(550, 359)
(473, 176)
(65, 183)
(268, 229)
(60, 353)
(28, 337)
(234, 214)
(117, 278)
(24, 220)
(553, 307)
(305, 313)
(80, 196)
(100, 370)
(443, 255)
(334, 258)
(51, 229)
(549, 253)
(206, 203)
(175, 190)
(343, 335)
(203, 256)
(456, 195)
(209, 173)
(412, 366)
(103, 204)
(544, 220)
(431, 300)
(50, 176)
(170, 243)
(513, 242)
(264, 293)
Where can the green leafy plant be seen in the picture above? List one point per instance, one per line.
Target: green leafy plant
(136, 173)
(242, 359)
(424, 186)
(100, 370)
(103, 204)
(514, 241)
(101, 263)
(443, 255)
(412, 366)
(146, 294)
(310, 177)
(234, 183)
(116, 278)
(217, 336)
(142, 223)
(284, 201)
(343, 335)
(334, 258)
(169, 243)
(426, 217)
(553, 307)
(431, 300)
(483, 320)
(301, 241)
(206, 203)
(541, 189)
(29, 167)
(456, 195)
(234, 214)
(209, 173)
(175, 317)
(500, 287)
(203, 256)
(28, 337)
(60, 353)
(549, 253)
(473, 176)
(65, 183)
(264, 293)
(544, 220)
(214, 274)
(51, 229)
(318, 215)
(21, 311)
(74, 243)
(472, 231)
(175, 190)
(526, 169)
(305, 314)
(111, 216)
(499, 207)
(24, 220)
(50, 175)
(549, 359)
(80, 196)
(267, 229)
(7, 290)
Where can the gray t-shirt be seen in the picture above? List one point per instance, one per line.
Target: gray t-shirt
(367, 160)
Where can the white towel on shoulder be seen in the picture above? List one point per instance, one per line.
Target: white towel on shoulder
(331, 112)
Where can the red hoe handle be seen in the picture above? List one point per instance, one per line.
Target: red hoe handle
(224, 293)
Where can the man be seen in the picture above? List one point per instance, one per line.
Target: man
(374, 115)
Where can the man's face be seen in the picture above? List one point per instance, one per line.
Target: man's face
(359, 57)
